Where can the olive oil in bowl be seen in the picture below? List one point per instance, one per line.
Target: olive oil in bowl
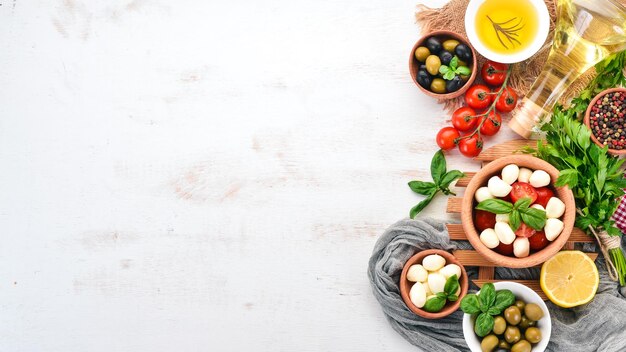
(507, 27)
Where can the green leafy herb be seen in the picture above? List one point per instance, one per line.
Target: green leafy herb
(450, 71)
(518, 212)
(595, 177)
(486, 304)
(442, 180)
(436, 303)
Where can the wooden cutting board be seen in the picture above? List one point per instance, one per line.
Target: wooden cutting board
(473, 258)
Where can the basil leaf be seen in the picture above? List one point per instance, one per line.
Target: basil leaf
(454, 63)
(523, 203)
(438, 167)
(443, 69)
(535, 218)
(453, 298)
(487, 296)
(441, 294)
(463, 70)
(515, 220)
(452, 284)
(448, 76)
(435, 304)
(496, 206)
(504, 299)
(483, 325)
(494, 311)
(449, 177)
(421, 187)
(421, 205)
(469, 304)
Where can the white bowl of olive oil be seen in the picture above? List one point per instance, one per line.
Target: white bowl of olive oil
(507, 31)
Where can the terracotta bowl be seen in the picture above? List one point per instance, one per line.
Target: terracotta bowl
(480, 180)
(414, 64)
(405, 285)
(588, 113)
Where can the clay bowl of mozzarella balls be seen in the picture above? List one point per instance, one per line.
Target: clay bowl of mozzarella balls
(514, 215)
(432, 283)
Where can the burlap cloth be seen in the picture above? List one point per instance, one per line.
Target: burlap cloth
(451, 17)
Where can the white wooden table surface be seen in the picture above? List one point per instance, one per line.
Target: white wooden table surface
(204, 175)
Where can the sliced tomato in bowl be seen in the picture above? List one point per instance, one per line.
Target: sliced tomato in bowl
(538, 241)
(525, 231)
(523, 190)
(484, 220)
(543, 196)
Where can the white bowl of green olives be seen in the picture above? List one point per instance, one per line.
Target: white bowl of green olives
(443, 64)
(524, 326)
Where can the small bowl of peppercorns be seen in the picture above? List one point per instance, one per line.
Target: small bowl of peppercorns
(606, 117)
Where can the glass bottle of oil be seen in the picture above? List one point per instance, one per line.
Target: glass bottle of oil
(587, 31)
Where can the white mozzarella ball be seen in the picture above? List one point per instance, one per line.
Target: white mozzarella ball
(502, 218)
(436, 282)
(497, 187)
(553, 228)
(538, 206)
(555, 208)
(510, 173)
(483, 194)
(489, 238)
(433, 262)
(417, 273)
(539, 178)
(524, 175)
(417, 294)
(505, 232)
(521, 247)
(449, 270)
(427, 288)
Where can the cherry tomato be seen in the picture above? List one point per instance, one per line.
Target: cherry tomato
(472, 146)
(507, 198)
(504, 249)
(463, 119)
(446, 138)
(525, 231)
(478, 97)
(543, 196)
(484, 220)
(538, 241)
(494, 73)
(522, 190)
(507, 100)
(492, 125)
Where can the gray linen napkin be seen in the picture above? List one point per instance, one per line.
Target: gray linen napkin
(597, 326)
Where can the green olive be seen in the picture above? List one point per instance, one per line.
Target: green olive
(438, 86)
(520, 305)
(422, 53)
(464, 78)
(512, 334)
(504, 345)
(450, 44)
(499, 324)
(526, 323)
(533, 311)
(533, 335)
(461, 63)
(512, 315)
(488, 343)
(522, 346)
(432, 64)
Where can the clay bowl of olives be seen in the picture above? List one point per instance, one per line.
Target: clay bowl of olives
(443, 64)
(524, 326)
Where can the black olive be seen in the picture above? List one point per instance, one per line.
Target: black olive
(455, 84)
(424, 78)
(434, 45)
(464, 53)
(445, 57)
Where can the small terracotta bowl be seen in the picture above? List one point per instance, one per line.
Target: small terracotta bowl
(495, 168)
(414, 64)
(405, 285)
(588, 115)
